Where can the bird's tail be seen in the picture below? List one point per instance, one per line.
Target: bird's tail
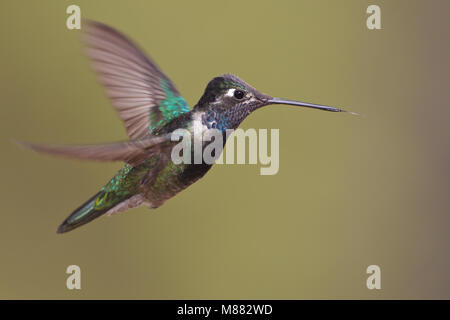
(85, 213)
(123, 186)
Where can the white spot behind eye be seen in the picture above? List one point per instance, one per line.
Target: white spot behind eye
(230, 92)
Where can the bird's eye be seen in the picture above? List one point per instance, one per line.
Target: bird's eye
(238, 94)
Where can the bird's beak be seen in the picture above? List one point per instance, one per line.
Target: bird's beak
(305, 105)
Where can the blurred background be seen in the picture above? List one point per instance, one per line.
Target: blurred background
(350, 192)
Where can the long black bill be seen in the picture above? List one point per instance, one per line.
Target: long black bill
(306, 105)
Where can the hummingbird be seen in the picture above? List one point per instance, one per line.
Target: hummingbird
(152, 108)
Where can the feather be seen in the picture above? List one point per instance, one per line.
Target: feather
(132, 152)
(141, 93)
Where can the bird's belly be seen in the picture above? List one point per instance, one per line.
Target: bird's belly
(171, 180)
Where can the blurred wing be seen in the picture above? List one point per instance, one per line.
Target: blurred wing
(142, 94)
(132, 152)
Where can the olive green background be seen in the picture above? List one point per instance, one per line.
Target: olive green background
(350, 192)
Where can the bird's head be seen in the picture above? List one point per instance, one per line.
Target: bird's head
(231, 99)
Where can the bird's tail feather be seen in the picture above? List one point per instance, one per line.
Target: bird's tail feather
(87, 212)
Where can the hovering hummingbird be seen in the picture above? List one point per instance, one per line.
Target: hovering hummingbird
(152, 108)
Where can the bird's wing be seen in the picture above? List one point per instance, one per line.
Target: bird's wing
(133, 152)
(142, 94)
